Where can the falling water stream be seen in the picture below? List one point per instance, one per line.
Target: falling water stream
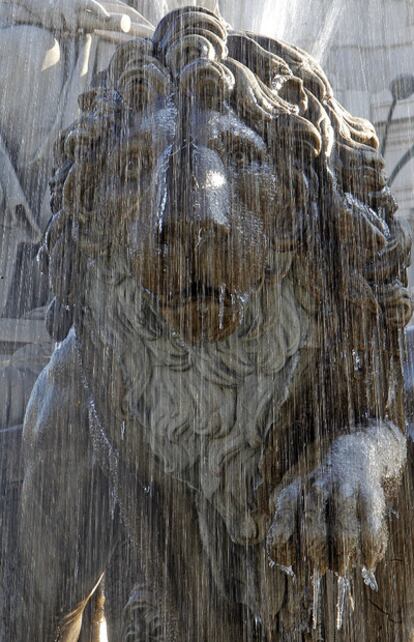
(219, 497)
(292, 21)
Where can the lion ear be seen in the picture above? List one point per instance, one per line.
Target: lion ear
(59, 320)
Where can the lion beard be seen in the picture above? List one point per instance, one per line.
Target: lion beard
(205, 409)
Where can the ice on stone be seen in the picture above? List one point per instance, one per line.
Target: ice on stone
(369, 579)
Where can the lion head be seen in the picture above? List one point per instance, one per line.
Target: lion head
(204, 153)
(215, 174)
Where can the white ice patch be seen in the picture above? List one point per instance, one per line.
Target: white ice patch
(379, 450)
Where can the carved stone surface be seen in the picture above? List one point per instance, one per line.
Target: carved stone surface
(229, 293)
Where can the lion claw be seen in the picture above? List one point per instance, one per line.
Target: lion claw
(287, 570)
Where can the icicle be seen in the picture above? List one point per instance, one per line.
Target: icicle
(242, 300)
(316, 588)
(344, 591)
(114, 502)
(221, 306)
(369, 578)
(287, 570)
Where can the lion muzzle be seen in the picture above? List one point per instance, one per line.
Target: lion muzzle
(199, 258)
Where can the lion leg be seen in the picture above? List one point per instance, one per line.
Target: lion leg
(173, 597)
(67, 526)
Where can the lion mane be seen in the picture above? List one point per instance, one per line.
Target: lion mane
(330, 309)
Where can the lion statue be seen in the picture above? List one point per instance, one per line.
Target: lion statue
(223, 408)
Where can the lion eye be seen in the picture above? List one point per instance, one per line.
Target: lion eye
(246, 156)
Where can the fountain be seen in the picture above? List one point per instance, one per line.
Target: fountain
(214, 449)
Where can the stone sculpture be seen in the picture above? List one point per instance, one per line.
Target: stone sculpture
(229, 293)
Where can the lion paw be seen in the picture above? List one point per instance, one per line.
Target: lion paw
(337, 513)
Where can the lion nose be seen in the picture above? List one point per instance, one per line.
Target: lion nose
(198, 194)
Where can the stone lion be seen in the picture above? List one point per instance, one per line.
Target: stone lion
(224, 400)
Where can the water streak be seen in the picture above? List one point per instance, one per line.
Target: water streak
(316, 590)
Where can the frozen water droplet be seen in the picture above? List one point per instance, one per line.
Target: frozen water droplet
(316, 588)
(344, 591)
(369, 578)
(241, 313)
(358, 364)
